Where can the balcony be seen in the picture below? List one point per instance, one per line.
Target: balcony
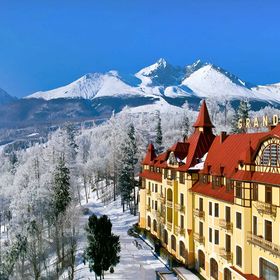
(264, 244)
(179, 230)
(223, 223)
(198, 238)
(180, 207)
(266, 208)
(227, 255)
(169, 203)
(148, 207)
(169, 226)
(198, 213)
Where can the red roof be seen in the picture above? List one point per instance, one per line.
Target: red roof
(150, 155)
(219, 193)
(233, 149)
(203, 119)
(151, 175)
(180, 149)
(258, 177)
(194, 148)
(230, 151)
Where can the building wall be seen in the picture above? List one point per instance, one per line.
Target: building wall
(252, 242)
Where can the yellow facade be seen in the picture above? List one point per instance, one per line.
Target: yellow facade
(221, 239)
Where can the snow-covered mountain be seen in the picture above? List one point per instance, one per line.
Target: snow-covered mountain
(91, 86)
(5, 97)
(161, 79)
(160, 86)
(160, 73)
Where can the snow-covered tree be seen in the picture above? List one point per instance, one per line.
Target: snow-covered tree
(127, 164)
(241, 113)
(158, 142)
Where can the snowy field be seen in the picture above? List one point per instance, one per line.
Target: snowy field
(134, 263)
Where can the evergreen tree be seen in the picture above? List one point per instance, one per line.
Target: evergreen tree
(61, 188)
(159, 147)
(185, 127)
(61, 200)
(16, 251)
(103, 246)
(71, 141)
(126, 179)
(241, 113)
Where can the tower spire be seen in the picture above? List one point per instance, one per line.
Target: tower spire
(150, 155)
(203, 121)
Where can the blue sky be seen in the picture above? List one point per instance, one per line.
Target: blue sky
(45, 44)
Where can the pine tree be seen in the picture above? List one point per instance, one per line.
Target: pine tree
(241, 113)
(159, 147)
(71, 134)
(103, 247)
(185, 127)
(61, 188)
(126, 179)
(61, 200)
(16, 251)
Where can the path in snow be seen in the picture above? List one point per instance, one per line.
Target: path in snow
(135, 264)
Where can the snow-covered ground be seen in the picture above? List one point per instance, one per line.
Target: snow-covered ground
(134, 263)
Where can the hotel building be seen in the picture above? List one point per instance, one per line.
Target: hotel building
(213, 201)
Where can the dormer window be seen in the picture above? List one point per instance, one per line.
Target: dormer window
(203, 178)
(172, 159)
(229, 185)
(268, 157)
(216, 181)
(271, 155)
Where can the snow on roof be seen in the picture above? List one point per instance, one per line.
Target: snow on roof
(200, 165)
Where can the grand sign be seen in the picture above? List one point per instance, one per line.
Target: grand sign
(257, 122)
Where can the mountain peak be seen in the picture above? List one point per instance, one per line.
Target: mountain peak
(162, 62)
(5, 97)
(161, 73)
(149, 70)
(197, 63)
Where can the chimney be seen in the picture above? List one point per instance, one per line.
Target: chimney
(223, 136)
(271, 127)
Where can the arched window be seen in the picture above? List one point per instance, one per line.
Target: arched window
(227, 274)
(271, 155)
(149, 221)
(155, 225)
(173, 242)
(182, 249)
(165, 237)
(169, 195)
(214, 269)
(201, 259)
